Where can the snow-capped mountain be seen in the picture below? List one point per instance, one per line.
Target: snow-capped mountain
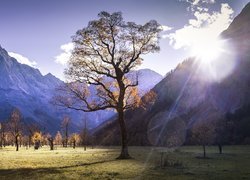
(25, 88)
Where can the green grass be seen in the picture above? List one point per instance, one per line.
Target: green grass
(100, 163)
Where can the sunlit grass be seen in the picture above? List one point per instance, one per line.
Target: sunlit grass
(100, 163)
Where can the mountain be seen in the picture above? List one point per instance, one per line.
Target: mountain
(194, 92)
(25, 88)
(147, 79)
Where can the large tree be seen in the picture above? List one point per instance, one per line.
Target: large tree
(104, 52)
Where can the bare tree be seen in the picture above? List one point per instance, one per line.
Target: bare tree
(25, 141)
(221, 133)
(58, 138)
(31, 128)
(50, 140)
(9, 139)
(15, 126)
(3, 134)
(74, 139)
(65, 130)
(104, 52)
(84, 134)
(203, 134)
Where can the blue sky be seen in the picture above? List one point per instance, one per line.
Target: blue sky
(38, 32)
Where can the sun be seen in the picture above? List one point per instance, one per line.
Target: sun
(207, 49)
(216, 57)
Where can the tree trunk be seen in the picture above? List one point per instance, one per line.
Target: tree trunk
(85, 134)
(51, 146)
(204, 151)
(120, 110)
(16, 142)
(29, 141)
(220, 148)
(124, 142)
(66, 135)
(1, 143)
(4, 142)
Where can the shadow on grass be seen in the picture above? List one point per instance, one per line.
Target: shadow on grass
(86, 164)
(24, 173)
(29, 172)
(202, 157)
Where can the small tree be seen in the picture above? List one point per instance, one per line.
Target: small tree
(58, 138)
(25, 141)
(50, 140)
(84, 134)
(203, 134)
(3, 130)
(65, 130)
(15, 126)
(74, 139)
(221, 133)
(31, 128)
(37, 139)
(104, 52)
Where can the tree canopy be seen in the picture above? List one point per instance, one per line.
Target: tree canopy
(106, 50)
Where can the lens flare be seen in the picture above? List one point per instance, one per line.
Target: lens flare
(207, 50)
(216, 56)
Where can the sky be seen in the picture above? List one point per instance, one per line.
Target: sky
(38, 32)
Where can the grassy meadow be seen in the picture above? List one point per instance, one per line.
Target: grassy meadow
(147, 163)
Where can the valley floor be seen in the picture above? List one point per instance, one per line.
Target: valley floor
(147, 163)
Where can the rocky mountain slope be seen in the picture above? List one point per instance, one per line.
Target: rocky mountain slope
(193, 92)
(26, 88)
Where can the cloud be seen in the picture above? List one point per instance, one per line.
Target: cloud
(64, 57)
(204, 25)
(22, 59)
(166, 28)
(196, 4)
